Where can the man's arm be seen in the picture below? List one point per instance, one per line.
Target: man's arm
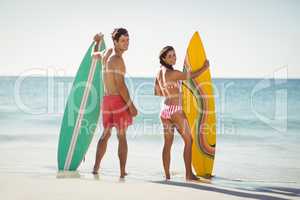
(97, 38)
(119, 73)
(106, 56)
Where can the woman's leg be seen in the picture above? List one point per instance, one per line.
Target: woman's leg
(166, 153)
(183, 128)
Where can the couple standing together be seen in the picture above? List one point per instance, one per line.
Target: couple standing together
(118, 109)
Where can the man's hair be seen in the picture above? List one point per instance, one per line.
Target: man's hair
(118, 32)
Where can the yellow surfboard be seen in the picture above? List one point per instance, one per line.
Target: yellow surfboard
(199, 107)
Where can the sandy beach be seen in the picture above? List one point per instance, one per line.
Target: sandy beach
(253, 162)
(237, 87)
(23, 186)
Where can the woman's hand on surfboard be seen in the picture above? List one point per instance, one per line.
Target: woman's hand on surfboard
(198, 72)
(206, 64)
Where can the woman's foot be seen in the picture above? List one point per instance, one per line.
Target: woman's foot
(192, 177)
(168, 177)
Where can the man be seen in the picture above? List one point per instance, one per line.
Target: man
(117, 107)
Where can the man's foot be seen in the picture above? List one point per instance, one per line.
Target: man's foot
(123, 175)
(95, 172)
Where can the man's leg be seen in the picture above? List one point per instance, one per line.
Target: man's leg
(122, 150)
(101, 148)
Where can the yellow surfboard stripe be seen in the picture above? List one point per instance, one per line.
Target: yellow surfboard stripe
(199, 107)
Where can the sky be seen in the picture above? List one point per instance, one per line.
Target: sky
(242, 38)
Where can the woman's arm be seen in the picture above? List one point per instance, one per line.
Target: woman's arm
(178, 75)
(157, 89)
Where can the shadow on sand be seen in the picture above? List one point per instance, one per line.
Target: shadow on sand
(243, 193)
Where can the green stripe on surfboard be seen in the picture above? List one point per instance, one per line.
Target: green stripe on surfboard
(192, 87)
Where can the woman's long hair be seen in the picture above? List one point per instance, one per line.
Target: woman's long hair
(163, 54)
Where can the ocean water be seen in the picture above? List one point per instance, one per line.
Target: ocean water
(258, 130)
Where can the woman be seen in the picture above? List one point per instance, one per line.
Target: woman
(168, 84)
